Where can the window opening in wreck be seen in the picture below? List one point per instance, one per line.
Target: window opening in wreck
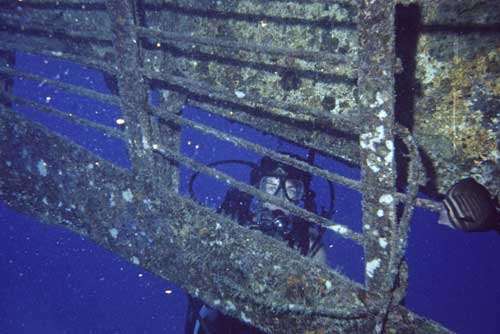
(341, 253)
(38, 98)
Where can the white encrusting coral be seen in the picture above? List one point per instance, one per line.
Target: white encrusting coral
(245, 318)
(338, 228)
(373, 165)
(42, 167)
(382, 242)
(372, 266)
(112, 200)
(127, 195)
(239, 94)
(386, 199)
(369, 139)
(145, 143)
(382, 114)
(114, 232)
(379, 99)
(230, 305)
(390, 156)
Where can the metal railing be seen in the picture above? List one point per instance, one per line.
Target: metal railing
(193, 88)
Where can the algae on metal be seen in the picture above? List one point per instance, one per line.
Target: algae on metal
(268, 84)
(457, 110)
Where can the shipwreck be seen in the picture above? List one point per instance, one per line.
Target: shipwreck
(321, 74)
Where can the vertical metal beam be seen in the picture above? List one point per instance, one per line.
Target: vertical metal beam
(7, 59)
(376, 87)
(134, 94)
(170, 102)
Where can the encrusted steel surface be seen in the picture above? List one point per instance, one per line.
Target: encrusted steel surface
(264, 281)
(317, 73)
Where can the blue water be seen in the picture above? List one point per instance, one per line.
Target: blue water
(53, 281)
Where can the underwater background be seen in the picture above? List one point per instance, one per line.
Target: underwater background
(53, 281)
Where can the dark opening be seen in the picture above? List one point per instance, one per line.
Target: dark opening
(407, 26)
(407, 22)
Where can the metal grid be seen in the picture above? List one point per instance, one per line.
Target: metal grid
(376, 94)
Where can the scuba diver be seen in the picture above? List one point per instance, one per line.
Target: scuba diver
(469, 207)
(281, 180)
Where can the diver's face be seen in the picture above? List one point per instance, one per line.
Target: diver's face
(288, 189)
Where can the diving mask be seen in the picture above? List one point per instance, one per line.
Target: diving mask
(289, 188)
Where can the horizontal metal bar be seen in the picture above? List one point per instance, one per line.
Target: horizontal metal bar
(343, 230)
(86, 61)
(333, 58)
(259, 149)
(49, 28)
(260, 13)
(341, 148)
(272, 107)
(112, 99)
(83, 4)
(64, 115)
(353, 184)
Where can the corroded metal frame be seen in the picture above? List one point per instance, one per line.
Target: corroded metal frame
(258, 280)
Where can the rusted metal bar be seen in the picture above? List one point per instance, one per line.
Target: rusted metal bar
(65, 115)
(277, 108)
(259, 149)
(169, 135)
(112, 99)
(344, 149)
(57, 4)
(353, 184)
(134, 95)
(262, 280)
(376, 87)
(65, 32)
(399, 240)
(86, 61)
(244, 46)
